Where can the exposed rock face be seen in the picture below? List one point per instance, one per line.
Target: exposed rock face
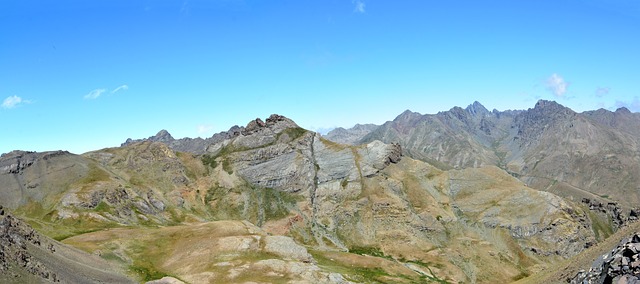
(549, 147)
(26, 176)
(16, 161)
(350, 136)
(611, 209)
(14, 238)
(621, 265)
(28, 257)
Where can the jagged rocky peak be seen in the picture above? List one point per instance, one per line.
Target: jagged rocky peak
(457, 112)
(477, 109)
(551, 106)
(407, 117)
(545, 112)
(257, 133)
(275, 122)
(162, 136)
(408, 114)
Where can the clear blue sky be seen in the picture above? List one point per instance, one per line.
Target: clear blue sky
(84, 75)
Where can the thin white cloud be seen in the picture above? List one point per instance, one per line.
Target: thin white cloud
(94, 94)
(359, 6)
(557, 85)
(602, 91)
(121, 88)
(205, 128)
(13, 101)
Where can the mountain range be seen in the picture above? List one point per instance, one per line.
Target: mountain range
(549, 147)
(461, 196)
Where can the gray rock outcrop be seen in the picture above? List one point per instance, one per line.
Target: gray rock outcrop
(621, 265)
(28, 257)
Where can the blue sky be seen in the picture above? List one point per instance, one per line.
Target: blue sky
(84, 75)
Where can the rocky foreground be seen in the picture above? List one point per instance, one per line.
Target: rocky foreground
(621, 265)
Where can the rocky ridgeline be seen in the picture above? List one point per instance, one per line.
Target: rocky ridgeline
(15, 237)
(621, 265)
(16, 161)
(350, 136)
(199, 145)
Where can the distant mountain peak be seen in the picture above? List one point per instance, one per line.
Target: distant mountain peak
(407, 114)
(352, 135)
(162, 136)
(548, 104)
(476, 108)
(623, 110)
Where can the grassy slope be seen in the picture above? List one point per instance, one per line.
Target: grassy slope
(213, 250)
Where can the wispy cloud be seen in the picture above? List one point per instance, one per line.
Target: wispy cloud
(633, 105)
(557, 85)
(184, 9)
(205, 128)
(94, 94)
(359, 6)
(121, 88)
(602, 91)
(13, 101)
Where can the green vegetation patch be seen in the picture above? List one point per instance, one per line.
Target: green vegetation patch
(102, 207)
(226, 166)
(145, 271)
(209, 160)
(601, 225)
(371, 251)
(293, 133)
(148, 255)
(95, 174)
(255, 204)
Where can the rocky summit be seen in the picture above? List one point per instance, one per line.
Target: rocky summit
(449, 198)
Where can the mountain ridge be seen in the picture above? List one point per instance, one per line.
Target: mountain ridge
(527, 143)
